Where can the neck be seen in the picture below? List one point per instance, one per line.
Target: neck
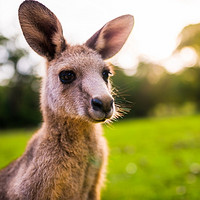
(66, 127)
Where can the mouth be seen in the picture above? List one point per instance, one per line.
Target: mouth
(99, 121)
(97, 116)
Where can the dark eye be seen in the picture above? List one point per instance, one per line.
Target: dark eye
(67, 77)
(106, 74)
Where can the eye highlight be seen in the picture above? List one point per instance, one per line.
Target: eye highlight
(106, 73)
(67, 76)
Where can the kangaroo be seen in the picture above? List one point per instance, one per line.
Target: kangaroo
(66, 158)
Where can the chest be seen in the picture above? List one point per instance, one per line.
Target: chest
(78, 170)
(77, 175)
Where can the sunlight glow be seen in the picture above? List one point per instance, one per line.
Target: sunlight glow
(6, 72)
(127, 61)
(185, 58)
(154, 36)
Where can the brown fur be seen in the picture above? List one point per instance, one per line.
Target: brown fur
(66, 158)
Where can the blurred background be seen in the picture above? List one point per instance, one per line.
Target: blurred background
(154, 149)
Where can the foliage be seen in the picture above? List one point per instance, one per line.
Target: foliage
(154, 158)
(19, 105)
(152, 86)
(190, 37)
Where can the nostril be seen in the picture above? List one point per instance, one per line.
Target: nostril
(111, 103)
(109, 106)
(97, 104)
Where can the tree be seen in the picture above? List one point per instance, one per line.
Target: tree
(19, 105)
(190, 37)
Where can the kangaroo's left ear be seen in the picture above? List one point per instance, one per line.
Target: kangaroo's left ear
(112, 36)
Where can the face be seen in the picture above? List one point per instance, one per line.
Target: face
(78, 85)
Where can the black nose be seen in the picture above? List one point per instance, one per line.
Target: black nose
(99, 105)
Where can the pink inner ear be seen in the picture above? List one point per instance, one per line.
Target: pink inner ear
(117, 37)
(113, 35)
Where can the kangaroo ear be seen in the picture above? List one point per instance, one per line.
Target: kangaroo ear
(112, 36)
(41, 28)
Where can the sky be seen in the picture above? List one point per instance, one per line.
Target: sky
(154, 36)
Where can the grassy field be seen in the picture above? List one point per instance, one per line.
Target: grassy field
(156, 158)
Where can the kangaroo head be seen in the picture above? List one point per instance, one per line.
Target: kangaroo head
(77, 79)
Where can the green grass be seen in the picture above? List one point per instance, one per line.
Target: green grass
(156, 158)
(12, 144)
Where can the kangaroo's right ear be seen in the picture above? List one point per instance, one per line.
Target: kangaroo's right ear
(112, 36)
(42, 29)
